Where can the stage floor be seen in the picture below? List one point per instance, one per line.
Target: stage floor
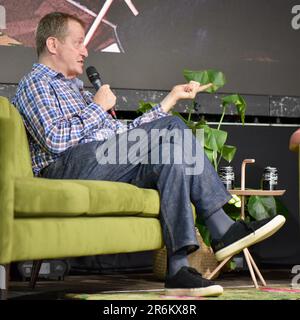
(118, 282)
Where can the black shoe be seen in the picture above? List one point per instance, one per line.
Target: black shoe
(242, 235)
(189, 282)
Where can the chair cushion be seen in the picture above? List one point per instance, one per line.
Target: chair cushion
(108, 197)
(45, 197)
(69, 198)
(49, 238)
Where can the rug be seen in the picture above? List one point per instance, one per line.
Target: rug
(266, 293)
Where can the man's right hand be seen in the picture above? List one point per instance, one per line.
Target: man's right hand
(105, 97)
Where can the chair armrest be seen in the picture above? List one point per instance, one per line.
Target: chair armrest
(6, 190)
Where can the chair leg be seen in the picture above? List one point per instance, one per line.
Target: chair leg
(4, 281)
(36, 266)
(219, 267)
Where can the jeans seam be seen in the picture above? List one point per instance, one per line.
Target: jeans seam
(168, 230)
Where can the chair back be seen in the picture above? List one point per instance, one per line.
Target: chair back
(15, 135)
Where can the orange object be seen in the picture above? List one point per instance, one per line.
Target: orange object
(295, 141)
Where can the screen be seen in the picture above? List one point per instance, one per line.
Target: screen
(146, 44)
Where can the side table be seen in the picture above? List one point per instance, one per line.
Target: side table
(243, 193)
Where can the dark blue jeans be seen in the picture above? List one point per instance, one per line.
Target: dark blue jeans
(176, 188)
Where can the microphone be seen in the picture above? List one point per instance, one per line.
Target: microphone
(95, 80)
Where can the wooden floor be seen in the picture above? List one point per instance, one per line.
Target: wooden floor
(53, 290)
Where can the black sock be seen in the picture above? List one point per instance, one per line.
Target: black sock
(176, 261)
(218, 223)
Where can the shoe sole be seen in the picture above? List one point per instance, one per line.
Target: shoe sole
(260, 234)
(211, 291)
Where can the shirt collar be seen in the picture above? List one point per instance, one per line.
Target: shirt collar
(45, 70)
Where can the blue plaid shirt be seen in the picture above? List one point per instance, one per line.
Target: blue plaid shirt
(59, 114)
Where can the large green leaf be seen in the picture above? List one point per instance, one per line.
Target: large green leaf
(228, 152)
(238, 101)
(206, 129)
(215, 139)
(261, 207)
(217, 78)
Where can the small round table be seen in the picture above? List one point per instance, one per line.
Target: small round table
(243, 193)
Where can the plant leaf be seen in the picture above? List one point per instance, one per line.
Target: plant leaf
(215, 157)
(215, 139)
(261, 207)
(231, 265)
(201, 122)
(233, 211)
(177, 114)
(209, 154)
(145, 106)
(239, 102)
(204, 233)
(217, 78)
(228, 152)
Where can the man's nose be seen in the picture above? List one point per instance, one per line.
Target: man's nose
(84, 52)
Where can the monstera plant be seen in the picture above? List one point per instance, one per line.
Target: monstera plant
(216, 148)
(214, 138)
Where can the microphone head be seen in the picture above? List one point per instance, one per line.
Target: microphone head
(94, 77)
(92, 73)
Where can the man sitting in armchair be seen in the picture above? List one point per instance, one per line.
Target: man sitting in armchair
(70, 131)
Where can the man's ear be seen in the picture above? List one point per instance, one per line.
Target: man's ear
(51, 44)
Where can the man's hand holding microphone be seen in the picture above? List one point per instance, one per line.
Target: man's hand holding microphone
(104, 96)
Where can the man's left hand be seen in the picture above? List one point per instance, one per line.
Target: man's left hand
(182, 91)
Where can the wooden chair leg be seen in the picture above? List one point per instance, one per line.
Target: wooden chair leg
(4, 281)
(219, 267)
(36, 266)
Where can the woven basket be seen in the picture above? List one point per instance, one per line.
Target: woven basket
(203, 260)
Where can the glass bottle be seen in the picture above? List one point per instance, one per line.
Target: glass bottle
(269, 180)
(226, 175)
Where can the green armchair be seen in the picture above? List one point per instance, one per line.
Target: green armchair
(46, 218)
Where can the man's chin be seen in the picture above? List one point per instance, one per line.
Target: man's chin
(81, 69)
(78, 72)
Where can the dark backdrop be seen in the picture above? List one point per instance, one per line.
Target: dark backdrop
(252, 42)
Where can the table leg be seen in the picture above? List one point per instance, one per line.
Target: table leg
(256, 269)
(250, 268)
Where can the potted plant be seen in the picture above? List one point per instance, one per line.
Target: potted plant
(216, 148)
